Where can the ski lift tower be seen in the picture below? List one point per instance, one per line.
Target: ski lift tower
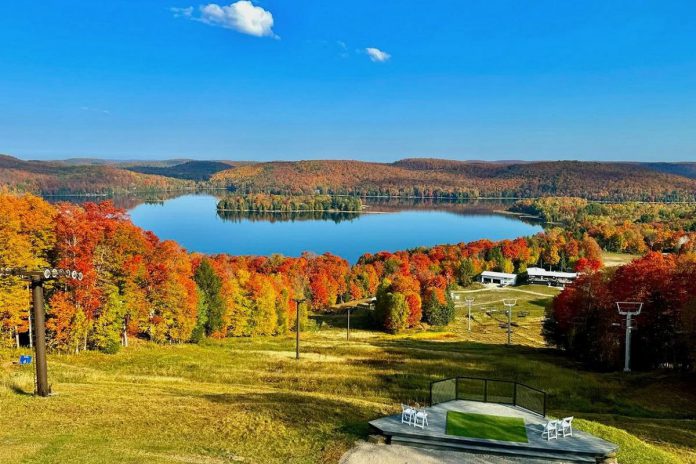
(469, 302)
(629, 309)
(36, 279)
(509, 303)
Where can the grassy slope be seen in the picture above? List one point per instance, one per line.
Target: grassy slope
(248, 398)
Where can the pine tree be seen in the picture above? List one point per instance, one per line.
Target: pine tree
(212, 303)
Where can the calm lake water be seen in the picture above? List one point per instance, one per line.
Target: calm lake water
(193, 221)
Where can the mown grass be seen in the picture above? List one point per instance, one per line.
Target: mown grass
(249, 400)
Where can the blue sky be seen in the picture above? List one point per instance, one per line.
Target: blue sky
(281, 79)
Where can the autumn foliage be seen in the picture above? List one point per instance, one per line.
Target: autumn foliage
(136, 285)
(584, 319)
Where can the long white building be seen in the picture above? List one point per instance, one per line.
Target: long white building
(538, 275)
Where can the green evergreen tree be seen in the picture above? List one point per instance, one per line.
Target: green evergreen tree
(212, 303)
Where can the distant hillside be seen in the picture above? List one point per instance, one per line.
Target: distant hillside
(57, 178)
(121, 163)
(462, 179)
(680, 169)
(191, 170)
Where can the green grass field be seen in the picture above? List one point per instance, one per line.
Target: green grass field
(248, 400)
(486, 427)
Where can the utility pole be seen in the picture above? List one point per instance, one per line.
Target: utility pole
(36, 280)
(298, 301)
(509, 303)
(629, 309)
(469, 301)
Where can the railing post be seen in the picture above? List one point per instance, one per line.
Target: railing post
(485, 390)
(456, 388)
(514, 394)
(431, 393)
(544, 404)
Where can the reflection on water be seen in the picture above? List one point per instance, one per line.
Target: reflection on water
(253, 216)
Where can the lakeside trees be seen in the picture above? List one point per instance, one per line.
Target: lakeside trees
(621, 227)
(262, 203)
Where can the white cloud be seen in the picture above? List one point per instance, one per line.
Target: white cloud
(241, 16)
(182, 12)
(377, 55)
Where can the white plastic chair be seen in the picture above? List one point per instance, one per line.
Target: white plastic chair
(550, 430)
(566, 427)
(420, 419)
(407, 413)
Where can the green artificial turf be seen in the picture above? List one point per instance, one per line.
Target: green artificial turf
(486, 427)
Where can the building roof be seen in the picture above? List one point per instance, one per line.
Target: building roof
(498, 275)
(540, 272)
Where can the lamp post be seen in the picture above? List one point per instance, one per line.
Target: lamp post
(629, 309)
(298, 302)
(469, 301)
(36, 281)
(509, 303)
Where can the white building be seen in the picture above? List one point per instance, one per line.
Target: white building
(501, 278)
(538, 275)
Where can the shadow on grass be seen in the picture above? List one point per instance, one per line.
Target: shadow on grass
(359, 319)
(16, 389)
(290, 409)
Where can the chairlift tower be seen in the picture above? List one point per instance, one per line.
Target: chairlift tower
(629, 309)
(298, 302)
(509, 303)
(469, 302)
(36, 279)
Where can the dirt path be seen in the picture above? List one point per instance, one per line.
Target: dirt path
(368, 453)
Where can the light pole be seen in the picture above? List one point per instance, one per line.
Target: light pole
(509, 303)
(298, 302)
(36, 281)
(629, 309)
(469, 301)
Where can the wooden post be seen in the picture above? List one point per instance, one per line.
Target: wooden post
(297, 333)
(348, 331)
(42, 388)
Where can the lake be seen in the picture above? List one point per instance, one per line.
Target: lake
(193, 221)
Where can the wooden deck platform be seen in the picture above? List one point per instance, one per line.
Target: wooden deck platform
(581, 447)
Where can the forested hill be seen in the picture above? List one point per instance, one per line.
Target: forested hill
(419, 177)
(463, 179)
(60, 178)
(192, 170)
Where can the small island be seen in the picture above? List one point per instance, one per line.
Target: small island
(265, 203)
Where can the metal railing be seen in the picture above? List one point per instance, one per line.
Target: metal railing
(489, 391)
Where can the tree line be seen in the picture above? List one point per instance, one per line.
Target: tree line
(630, 227)
(263, 203)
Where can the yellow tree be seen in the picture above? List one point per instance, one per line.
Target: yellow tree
(26, 235)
